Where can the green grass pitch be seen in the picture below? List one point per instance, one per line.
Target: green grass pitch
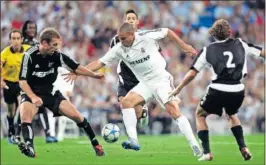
(168, 149)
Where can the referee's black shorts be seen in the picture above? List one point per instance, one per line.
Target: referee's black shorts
(214, 101)
(11, 94)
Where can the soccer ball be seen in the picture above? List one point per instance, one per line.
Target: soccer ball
(110, 133)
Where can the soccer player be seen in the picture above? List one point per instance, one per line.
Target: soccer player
(228, 58)
(141, 55)
(11, 58)
(127, 79)
(29, 32)
(37, 75)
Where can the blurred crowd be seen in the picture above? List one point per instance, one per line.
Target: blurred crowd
(87, 28)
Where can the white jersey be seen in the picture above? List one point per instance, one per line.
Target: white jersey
(155, 34)
(143, 57)
(61, 84)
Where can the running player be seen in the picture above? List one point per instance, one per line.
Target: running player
(228, 58)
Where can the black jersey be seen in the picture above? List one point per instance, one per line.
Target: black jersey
(228, 58)
(31, 42)
(40, 70)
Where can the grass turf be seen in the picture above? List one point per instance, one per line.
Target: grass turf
(169, 149)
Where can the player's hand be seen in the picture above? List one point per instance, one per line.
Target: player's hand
(3, 85)
(37, 101)
(70, 77)
(189, 50)
(98, 75)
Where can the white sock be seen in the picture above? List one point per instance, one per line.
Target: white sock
(130, 121)
(61, 127)
(186, 130)
(51, 120)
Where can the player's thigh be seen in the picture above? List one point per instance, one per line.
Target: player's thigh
(161, 91)
(27, 109)
(233, 102)
(67, 109)
(138, 95)
(212, 102)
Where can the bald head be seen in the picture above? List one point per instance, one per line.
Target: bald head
(126, 27)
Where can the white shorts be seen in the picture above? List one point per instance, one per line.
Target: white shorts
(159, 91)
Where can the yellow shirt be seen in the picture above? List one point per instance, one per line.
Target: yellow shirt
(11, 62)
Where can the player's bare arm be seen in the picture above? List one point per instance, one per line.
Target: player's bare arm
(262, 53)
(93, 66)
(27, 89)
(187, 79)
(81, 70)
(188, 49)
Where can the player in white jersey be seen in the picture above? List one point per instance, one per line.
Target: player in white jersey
(66, 88)
(141, 54)
(126, 78)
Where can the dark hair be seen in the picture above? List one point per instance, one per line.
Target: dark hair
(48, 34)
(15, 31)
(126, 27)
(25, 26)
(131, 11)
(220, 30)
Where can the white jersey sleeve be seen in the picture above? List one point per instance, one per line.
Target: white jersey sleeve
(111, 56)
(251, 49)
(155, 34)
(200, 60)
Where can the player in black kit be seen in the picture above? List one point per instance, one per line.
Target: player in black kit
(37, 75)
(227, 57)
(29, 32)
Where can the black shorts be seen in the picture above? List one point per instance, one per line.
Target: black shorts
(123, 89)
(11, 94)
(51, 102)
(214, 102)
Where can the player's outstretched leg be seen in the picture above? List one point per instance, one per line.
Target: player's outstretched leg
(67, 109)
(203, 134)
(184, 126)
(237, 131)
(130, 120)
(27, 112)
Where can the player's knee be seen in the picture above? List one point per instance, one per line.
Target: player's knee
(26, 114)
(173, 110)
(127, 103)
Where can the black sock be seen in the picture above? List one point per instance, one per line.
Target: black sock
(238, 133)
(204, 137)
(89, 131)
(18, 126)
(44, 121)
(11, 129)
(27, 133)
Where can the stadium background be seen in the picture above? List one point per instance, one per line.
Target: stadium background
(87, 28)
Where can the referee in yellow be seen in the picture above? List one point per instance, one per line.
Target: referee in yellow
(11, 58)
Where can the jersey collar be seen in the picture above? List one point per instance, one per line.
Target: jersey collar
(13, 51)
